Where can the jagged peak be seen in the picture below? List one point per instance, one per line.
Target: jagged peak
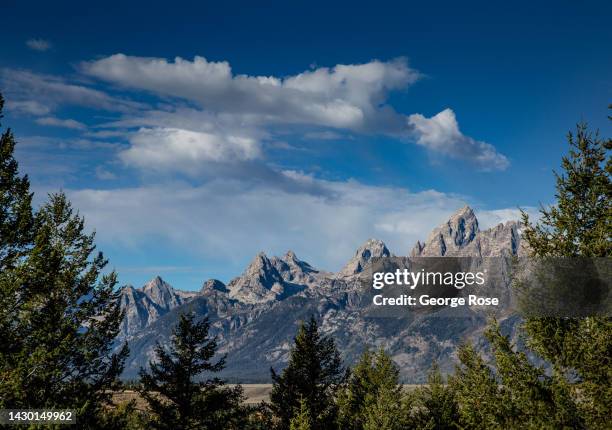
(293, 261)
(260, 260)
(373, 245)
(456, 233)
(213, 285)
(290, 255)
(157, 283)
(372, 248)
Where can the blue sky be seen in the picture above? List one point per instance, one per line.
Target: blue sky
(309, 126)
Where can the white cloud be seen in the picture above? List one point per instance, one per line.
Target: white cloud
(325, 135)
(30, 107)
(22, 86)
(105, 175)
(229, 221)
(491, 218)
(441, 133)
(345, 96)
(224, 220)
(184, 150)
(350, 97)
(58, 122)
(210, 98)
(39, 45)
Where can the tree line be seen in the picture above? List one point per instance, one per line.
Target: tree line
(60, 315)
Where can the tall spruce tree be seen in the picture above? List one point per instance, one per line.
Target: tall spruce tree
(516, 395)
(313, 375)
(16, 235)
(66, 318)
(176, 398)
(436, 403)
(16, 218)
(372, 387)
(512, 392)
(59, 315)
(578, 225)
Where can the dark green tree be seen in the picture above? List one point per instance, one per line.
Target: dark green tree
(58, 314)
(302, 420)
(16, 235)
(176, 398)
(436, 403)
(66, 316)
(16, 220)
(384, 411)
(371, 387)
(313, 375)
(518, 395)
(578, 225)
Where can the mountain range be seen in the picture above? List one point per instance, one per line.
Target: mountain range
(255, 316)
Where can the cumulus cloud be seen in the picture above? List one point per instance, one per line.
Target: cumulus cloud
(39, 45)
(350, 97)
(58, 122)
(345, 96)
(202, 96)
(184, 150)
(441, 133)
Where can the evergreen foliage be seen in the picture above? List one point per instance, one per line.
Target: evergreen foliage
(436, 403)
(313, 375)
(519, 394)
(578, 225)
(371, 388)
(302, 420)
(59, 315)
(176, 399)
(16, 219)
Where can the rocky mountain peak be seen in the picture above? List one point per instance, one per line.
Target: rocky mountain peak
(144, 305)
(260, 282)
(372, 248)
(261, 267)
(452, 236)
(461, 236)
(213, 285)
(160, 292)
(295, 263)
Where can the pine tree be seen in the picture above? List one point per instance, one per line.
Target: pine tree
(16, 220)
(578, 225)
(177, 400)
(384, 410)
(374, 373)
(437, 406)
(313, 375)
(302, 420)
(66, 317)
(477, 392)
(16, 235)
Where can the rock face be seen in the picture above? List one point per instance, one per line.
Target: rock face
(372, 248)
(213, 286)
(259, 283)
(461, 237)
(145, 305)
(257, 314)
(451, 237)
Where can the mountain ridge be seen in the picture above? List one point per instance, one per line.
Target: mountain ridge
(256, 314)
